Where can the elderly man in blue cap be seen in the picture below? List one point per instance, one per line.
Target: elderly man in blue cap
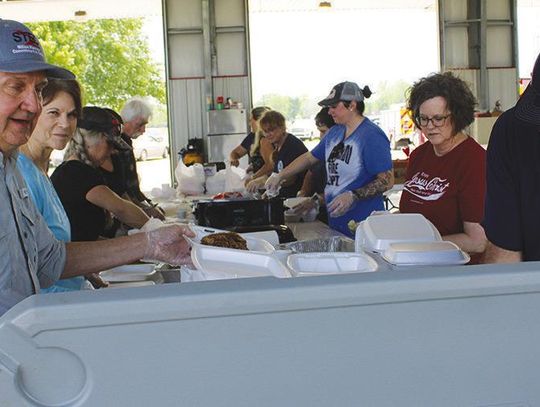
(512, 215)
(30, 256)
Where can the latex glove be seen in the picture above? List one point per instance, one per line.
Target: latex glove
(341, 204)
(247, 179)
(167, 244)
(96, 280)
(254, 185)
(155, 212)
(272, 184)
(307, 205)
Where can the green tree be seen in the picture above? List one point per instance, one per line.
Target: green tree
(110, 58)
(292, 107)
(385, 94)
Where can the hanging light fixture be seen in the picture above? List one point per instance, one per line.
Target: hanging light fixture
(325, 4)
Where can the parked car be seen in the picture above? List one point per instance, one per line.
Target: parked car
(152, 144)
(302, 133)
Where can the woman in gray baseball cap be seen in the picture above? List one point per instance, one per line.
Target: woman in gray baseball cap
(357, 157)
(88, 200)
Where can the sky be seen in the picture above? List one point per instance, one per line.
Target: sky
(308, 53)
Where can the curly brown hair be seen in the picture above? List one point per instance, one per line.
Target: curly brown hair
(459, 98)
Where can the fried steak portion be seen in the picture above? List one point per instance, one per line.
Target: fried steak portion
(230, 240)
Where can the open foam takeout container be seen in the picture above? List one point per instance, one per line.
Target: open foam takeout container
(257, 261)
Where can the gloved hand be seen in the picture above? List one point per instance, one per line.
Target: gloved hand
(254, 185)
(341, 204)
(305, 206)
(167, 244)
(155, 212)
(96, 280)
(272, 185)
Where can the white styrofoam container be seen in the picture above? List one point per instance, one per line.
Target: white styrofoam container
(128, 284)
(237, 263)
(424, 253)
(129, 272)
(377, 232)
(316, 264)
(253, 243)
(188, 275)
(292, 202)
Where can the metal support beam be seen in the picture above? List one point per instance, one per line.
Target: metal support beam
(209, 49)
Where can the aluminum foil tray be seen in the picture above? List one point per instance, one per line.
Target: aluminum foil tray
(332, 244)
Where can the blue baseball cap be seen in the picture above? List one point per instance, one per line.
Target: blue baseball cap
(21, 52)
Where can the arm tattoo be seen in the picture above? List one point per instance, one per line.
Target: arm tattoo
(382, 183)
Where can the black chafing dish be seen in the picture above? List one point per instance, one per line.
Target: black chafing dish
(244, 215)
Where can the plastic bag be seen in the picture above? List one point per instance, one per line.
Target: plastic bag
(215, 183)
(234, 179)
(190, 179)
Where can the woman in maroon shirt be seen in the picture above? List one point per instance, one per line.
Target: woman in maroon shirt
(445, 178)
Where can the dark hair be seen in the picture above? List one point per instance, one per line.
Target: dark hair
(258, 111)
(70, 86)
(324, 118)
(360, 105)
(460, 100)
(273, 119)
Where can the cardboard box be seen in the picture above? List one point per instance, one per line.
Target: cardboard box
(400, 170)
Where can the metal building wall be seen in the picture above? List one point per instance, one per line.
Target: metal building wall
(478, 42)
(207, 56)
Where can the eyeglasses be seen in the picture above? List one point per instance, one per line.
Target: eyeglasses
(336, 151)
(436, 120)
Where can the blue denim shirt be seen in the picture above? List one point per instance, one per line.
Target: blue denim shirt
(30, 256)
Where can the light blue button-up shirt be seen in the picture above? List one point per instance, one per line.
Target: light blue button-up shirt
(30, 256)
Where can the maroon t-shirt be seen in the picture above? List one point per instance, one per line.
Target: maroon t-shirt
(447, 190)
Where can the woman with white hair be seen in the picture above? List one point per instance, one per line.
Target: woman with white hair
(80, 185)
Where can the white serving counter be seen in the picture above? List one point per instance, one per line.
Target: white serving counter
(445, 337)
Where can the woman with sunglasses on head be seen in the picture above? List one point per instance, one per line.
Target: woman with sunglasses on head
(82, 189)
(357, 156)
(445, 178)
(286, 147)
(252, 143)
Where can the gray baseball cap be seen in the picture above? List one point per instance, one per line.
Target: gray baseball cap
(344, 91)
(21, 52)
(528, 106)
